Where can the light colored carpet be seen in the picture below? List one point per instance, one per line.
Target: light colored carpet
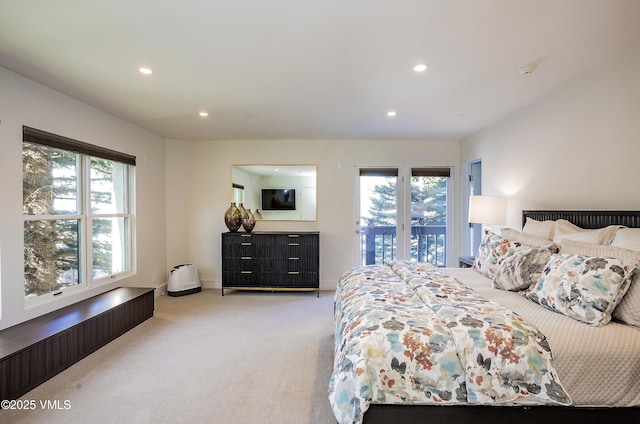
(247, 357)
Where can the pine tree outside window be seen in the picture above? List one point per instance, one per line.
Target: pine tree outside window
(78, 214)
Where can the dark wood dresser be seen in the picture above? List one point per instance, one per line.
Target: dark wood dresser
(271, 261)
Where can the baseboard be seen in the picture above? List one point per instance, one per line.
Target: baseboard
(161, 290)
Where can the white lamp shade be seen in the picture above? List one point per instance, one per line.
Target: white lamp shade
(488, 210)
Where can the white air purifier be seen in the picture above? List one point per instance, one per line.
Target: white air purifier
(184, 279)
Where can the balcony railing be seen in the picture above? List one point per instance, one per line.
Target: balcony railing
(428, 243)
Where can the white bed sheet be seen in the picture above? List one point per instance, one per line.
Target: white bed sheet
(598, 366)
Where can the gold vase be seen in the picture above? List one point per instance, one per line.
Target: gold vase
(248, 221)
(233, 218)
(243, 211)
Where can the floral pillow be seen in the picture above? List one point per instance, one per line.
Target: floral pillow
(628, 310)
(519, 271)
(585, 288)
(492, 251)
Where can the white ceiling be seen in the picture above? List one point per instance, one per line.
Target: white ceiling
(311, 69)
(278, 170)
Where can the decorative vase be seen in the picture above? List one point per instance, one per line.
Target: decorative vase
(257, 215)
(232, 218)
(243, 211)
(248, 221)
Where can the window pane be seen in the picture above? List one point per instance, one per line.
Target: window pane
(51, 256)
(378, 218)
(110, 246)
(108, 186)
(48, 181)
(428, 219)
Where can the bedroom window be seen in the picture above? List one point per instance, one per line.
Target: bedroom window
(78, 214)
(403, 213)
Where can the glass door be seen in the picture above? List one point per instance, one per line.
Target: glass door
(377, 215)
(402, 213)
(429, 215)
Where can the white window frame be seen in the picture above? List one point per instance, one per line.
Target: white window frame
(88, 227)
(85, 217)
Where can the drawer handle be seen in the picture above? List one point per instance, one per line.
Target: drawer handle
(294, 259)
(294, 235)
(245, 244)
(294, 272)
(245, 235)
(245, 272)
(246, 257)
(294, 244)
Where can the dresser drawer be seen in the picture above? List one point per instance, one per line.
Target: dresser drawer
(240, 279)
(301, 280)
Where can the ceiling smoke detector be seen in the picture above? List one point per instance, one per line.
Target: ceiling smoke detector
(528, 69)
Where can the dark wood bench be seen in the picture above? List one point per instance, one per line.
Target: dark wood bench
(36, 350)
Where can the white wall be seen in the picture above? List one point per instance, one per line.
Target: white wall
(177, 202)
(577, 148)
(24, 102)
(210, 192)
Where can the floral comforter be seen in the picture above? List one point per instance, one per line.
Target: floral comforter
(408, 333)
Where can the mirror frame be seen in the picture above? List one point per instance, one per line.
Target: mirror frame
(305, 212)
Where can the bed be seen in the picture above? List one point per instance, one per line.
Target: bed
(518, 337)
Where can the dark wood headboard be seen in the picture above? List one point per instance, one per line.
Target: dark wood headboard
(587, 219)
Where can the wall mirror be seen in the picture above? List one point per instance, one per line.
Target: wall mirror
(279, 192)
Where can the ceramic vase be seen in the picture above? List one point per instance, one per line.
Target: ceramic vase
(233, 218)
(257, 215)
(248, 221)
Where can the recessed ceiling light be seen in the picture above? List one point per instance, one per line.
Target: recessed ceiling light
(420, 67)
(204, 114)
(391, 113)
(145, 71)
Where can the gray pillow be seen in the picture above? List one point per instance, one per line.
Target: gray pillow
(524, 268)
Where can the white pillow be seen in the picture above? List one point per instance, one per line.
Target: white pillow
(528, 239)
(566, 230)
(627, 238)
(542, 229)
(591, 249)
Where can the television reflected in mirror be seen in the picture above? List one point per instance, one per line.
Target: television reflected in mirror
(278, 199)
(280, 192)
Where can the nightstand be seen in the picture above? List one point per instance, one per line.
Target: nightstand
(466, 261)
